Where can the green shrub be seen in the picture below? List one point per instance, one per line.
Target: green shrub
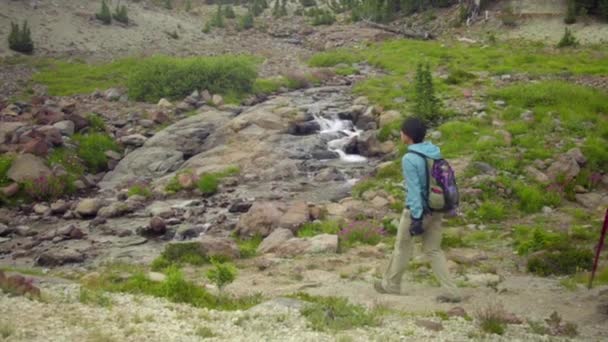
(308, 3)
(5, 165)
(596, 152)
(48, 188)
(568, 260)
(246, 22)
(508, 17)
(492, 319)
(571, 13)
(218, 18)
(221, 274)
(491, 211)
(174, 78)
(323, 17)
(334, 313)
(322, 227)
(184, 253)
(96, 123)
(168, 4)
(20, 39)
(532, 198)
(91, 150)
(529, 240)
(121, 15)
(229, 12)
(279, 9)
(568, 39)
(140, 190)
(426, 104)
(208, 184)
(104, 15)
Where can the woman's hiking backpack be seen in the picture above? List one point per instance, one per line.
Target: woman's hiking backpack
(442, 191)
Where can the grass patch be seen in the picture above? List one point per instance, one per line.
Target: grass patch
(96, 123)
(204, 332)
(491, 319)
(175, 78)
(6, 161)
(269, 85)
(175, 289)
(208, 184)
(248, 247)
(91, 150)
(6, 330)
(335, 314)
(77, 77)
(361, 232)
(333, 58)
(311, 229)
(94, 298)
(67, 158)
(140, 190)
(179, 254)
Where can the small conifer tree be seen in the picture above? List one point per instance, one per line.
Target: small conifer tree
(104, 15)
(121, 15)
(20, 39)
(426, 104)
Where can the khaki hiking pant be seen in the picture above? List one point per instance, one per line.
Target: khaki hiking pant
(431, 246)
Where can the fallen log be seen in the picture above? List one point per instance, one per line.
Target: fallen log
(408, 33)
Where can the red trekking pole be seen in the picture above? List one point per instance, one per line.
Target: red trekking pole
(600, 246)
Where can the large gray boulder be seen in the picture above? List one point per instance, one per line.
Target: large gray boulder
(27, 166)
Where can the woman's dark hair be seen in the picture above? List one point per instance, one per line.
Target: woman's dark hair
(414, 128)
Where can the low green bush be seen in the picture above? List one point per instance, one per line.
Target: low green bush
(48, 188)
(68, 158)
(140, 190)
(246, 22)
(91, 150)
(222, 273)
(532, 198)
(174, 78)
(491, 211)
(561, 262)
(267, 86)
(208, 184)
(121, 15)
(248, 247)
(459, 76)
(104, 15)
(20, 39)
(365, 232)
(568, 39)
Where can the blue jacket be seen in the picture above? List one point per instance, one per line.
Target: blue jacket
(414, 174)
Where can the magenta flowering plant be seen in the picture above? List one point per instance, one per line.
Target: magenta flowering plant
(366, 232)
(46, 187)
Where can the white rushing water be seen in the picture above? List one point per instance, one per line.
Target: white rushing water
(344, 127)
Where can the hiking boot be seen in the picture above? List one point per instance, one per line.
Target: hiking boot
(449, 298)
(381, 289)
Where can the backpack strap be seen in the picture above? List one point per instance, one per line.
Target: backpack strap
(427, 209)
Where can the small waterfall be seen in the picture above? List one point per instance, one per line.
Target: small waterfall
(336, 125)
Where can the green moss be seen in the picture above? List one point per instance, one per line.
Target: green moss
(335, 314)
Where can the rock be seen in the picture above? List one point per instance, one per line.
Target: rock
(579, 189)
(484, 168)
(41, 209)
(25, 231)
(527, 116)
(8, 129)
(368, 145)
(329, 175)
(206, 96)
(500, 103)
(436, 135)
(577, 155)
(536, 175)
(466, 256)
(565, 166)
(59, 257)
(547, 210)
(485, 279)
(36, 147)
(304, 128)
(156, 277)
(190, 232)
(112, 94)
(113, 155)
(217, 100)
(219, 247)
(261, 219)
(239, 206)
(88, 207)
(505, 77)
(274, 240)
(506, 136)
(157, 226)
(10, 190)
(592, 200)
(48, 116)
(379, 202)
(292, 247)
(19, 285)
(11, 110)
(71, 232)
(164, 104)
(323, 243)
(389, 117)
(5, 230)
(457, 312)
(296, 215)
(159, 117)
(136, 140)
(27, 166)
(65, 127)
(361, 101)
(160, 209)
(115, 209)
(430, 325)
